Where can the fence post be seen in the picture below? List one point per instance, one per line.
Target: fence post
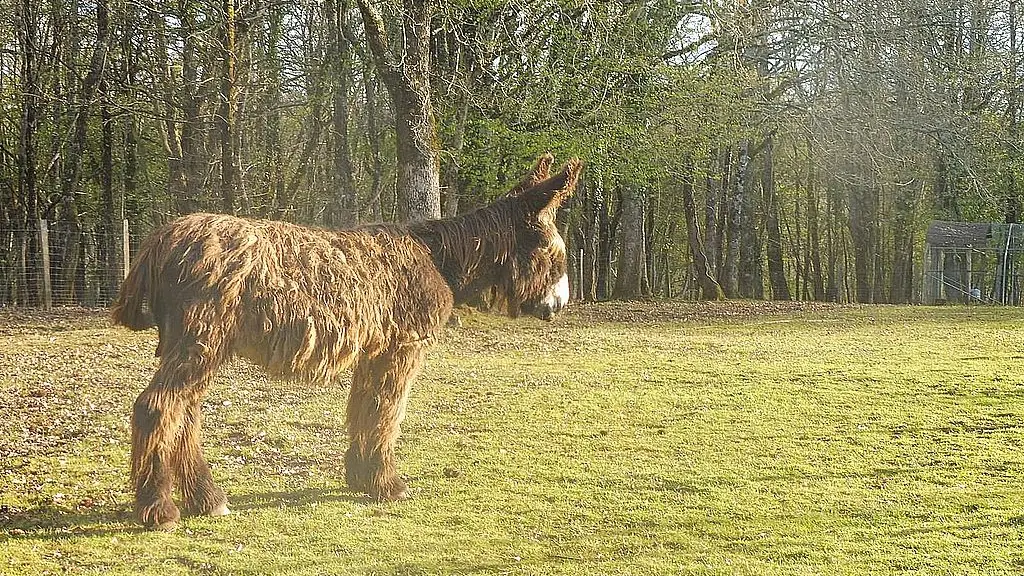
(44, 244)
(124, 248)
(580, 271)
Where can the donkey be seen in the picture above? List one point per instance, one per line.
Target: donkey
(309, 303)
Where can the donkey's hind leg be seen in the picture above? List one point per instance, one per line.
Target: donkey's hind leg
(376, 407)
(157, 423)
(201, 495)
(156, 419)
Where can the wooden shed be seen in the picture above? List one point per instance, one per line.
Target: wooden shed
(973, 262)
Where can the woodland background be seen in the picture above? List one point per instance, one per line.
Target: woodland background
(753, 149)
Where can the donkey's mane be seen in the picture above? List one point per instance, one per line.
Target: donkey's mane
(470, 249)
(477, 250)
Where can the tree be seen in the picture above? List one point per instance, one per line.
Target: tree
(339, 52)
(631, 281)
(406, 74)
(227, 117)
(709, 287)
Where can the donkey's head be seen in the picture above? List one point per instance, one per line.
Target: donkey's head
(538, 284)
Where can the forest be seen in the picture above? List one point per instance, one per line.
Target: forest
(755, 149)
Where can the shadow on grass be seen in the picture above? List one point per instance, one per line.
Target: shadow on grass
(294, 499)
(53, 521)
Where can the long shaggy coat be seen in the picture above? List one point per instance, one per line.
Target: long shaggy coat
(310, 303)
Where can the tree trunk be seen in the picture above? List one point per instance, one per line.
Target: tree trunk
(734, 225)
(451, 176)
(7, 267)
(709, 287)
(713, 186)
(814, 240)
(286, 203)
(165, 109)
(72, 169)
(373, 136)
(27, 212)
(722, 199)
(1012, 207)
(650, 241)
(129, 207)
(571, 272)
(863, 201)
(191, 133)
(833, 206)
(106, 229)
(107, 253)
(773, 230)
(272, 110)
(630, 280)
(604, 247)
(750, 281)
(226, 119)
(902, 287)
(340, 55)
(418, 182)
(407, 77)
(592, 205)
(8, 199)
(945, 197)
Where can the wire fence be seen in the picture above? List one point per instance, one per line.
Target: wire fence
(56, 265)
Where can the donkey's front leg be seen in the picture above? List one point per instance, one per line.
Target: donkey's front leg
(201, 495)
(376, 408)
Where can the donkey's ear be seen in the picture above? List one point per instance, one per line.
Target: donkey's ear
(540, 172)
(550, 193)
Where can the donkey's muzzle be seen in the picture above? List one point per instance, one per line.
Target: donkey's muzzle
(545, 313)
(544, 310)
(554, 300)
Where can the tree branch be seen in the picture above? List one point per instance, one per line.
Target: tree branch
(377, 39)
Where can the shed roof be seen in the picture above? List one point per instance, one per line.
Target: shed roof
(943, 234)
(977, 235)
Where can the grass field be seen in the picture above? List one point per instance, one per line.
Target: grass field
(644, 438)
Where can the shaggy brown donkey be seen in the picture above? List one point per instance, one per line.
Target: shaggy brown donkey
(309, 303)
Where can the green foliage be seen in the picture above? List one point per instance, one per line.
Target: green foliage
(893, 114)
(585, 77)
(649, 438)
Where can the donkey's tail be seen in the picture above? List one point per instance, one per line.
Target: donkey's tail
(129, 308)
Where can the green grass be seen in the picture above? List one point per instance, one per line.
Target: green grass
(665, 438)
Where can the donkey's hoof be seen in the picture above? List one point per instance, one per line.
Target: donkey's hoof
(215, 508)
(394, 491)
(397, 496)
(221, 510)
(161, 515)
(164, 527)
